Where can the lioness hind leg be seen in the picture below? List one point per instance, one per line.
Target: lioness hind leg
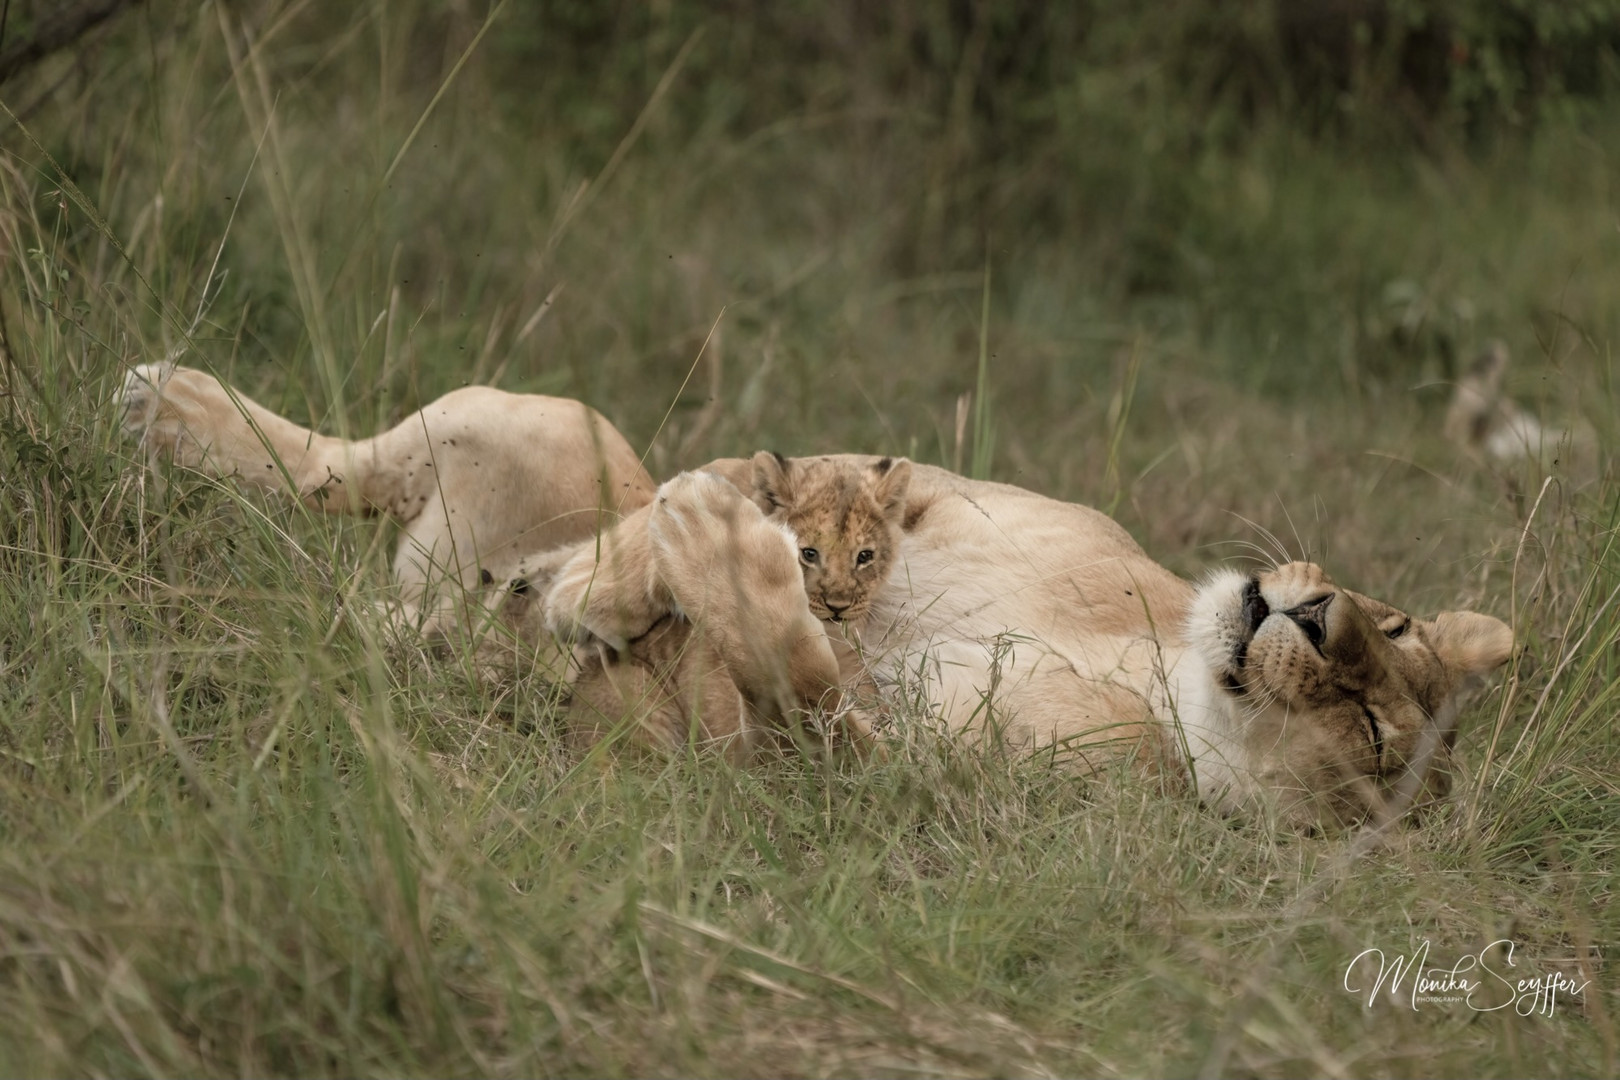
(195, 419)
(737, 576)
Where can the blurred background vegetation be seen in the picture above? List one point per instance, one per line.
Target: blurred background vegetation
(1347, 189)
(1142, 218)
(1210, 266)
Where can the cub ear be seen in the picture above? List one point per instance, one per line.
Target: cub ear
(1469, 644)
(773, 481)
(891, 479)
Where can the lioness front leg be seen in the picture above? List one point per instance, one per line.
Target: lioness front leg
(737, 576)
(607, 591)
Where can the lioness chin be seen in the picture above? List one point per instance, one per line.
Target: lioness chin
(1011, 614)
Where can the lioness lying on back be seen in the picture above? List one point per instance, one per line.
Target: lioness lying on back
(1044, 623)
(1039, 621)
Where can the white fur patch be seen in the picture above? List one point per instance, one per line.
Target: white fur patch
(143, 387)
(1211, 735)
(1215, 621)
(150, 374)
(1519, 436)
(1214, 724)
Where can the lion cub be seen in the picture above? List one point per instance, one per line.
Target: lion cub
(847, 520)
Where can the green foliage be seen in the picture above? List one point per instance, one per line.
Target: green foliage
(244, 830)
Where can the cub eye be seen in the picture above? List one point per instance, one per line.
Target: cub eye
(865, 557)
(1394, 626)
(809, 555)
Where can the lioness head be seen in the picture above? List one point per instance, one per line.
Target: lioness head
(847, 520)
(1339, 703)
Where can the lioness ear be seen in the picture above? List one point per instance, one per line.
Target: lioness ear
(891, 480)
(1469, 644)
(773, 481)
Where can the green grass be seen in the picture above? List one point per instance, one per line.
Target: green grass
(243, 831)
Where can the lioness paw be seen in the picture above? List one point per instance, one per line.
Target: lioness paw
(608, 590)
(701, 523)
(684, 508)
(138, 399)
(174, 410)
(568, 608)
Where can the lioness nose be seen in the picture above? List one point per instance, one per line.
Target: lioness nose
(1312, 618)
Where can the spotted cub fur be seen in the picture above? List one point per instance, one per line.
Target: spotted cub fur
(847, 520)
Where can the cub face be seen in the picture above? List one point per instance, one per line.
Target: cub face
(1338, 701)
(847, 519)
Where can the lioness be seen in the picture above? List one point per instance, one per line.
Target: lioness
(1036, 620)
